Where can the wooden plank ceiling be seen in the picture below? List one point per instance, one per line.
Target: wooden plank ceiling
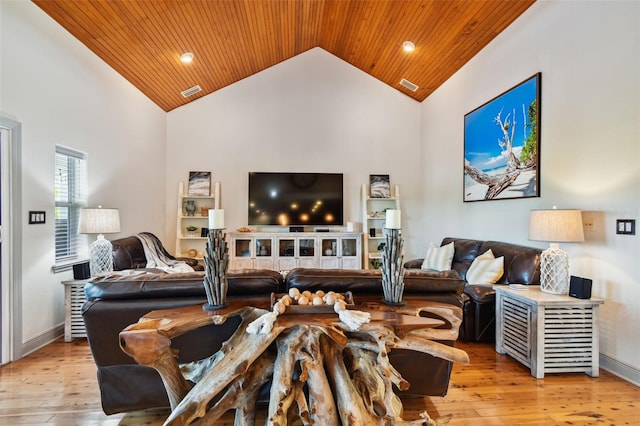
(233, 39)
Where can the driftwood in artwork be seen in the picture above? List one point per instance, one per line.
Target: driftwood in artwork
(499, 182)
(322, 372)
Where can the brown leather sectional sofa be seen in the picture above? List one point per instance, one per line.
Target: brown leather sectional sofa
(521, 266)
(116, 301)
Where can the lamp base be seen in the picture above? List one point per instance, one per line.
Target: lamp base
(100, 256)
(554, 270)
(208, 307)
(390, 303)
(392, 268)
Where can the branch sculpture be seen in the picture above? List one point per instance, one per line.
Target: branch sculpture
(393, 267)
(216, 262)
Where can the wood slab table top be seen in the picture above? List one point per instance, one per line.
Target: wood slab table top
(176, 321)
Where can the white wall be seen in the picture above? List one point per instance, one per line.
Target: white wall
(589, 56)
(317, 113)
(64, 94)
(312, 113)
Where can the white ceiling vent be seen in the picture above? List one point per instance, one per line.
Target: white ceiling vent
(191, 91)
(409, 85)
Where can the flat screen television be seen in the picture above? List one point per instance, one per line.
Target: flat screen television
(295, 199)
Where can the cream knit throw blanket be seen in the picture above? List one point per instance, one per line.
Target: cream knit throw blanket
(156, 257)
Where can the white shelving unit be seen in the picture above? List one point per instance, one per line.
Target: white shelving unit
(373, 217)
(184, 241)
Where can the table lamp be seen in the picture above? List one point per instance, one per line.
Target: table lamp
(555, 226)
(100, 221)
(392, 260)
(216, 263)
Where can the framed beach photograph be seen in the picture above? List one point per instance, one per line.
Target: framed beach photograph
(380, 186)
(502, 145)
(199, 184)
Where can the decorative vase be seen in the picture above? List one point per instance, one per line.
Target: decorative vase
(263, 251)
(190, 207)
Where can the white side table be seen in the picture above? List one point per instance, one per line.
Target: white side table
(74, 298)
(546, 332)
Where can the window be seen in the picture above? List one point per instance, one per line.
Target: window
(70, 197)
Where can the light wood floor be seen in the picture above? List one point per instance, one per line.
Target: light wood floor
(57, 385)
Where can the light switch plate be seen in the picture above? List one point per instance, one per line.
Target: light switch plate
(626, 226)
(37, 217)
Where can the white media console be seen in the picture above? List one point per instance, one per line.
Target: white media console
(282, 251)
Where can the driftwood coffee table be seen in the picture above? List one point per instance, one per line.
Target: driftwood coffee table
(321, 372)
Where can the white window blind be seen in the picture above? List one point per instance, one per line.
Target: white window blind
(70, 197)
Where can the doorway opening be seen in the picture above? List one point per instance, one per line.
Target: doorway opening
(10, 241)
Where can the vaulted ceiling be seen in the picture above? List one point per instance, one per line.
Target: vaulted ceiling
(233, 39)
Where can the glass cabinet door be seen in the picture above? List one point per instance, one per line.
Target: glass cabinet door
(349, 247)
(329, 246)
(243, 248)
(307, 247)
(263, 247)
(286, 247)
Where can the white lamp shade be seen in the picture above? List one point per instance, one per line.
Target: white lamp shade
(216, 219)
(392, 219)
(99, 221)
(556, 226)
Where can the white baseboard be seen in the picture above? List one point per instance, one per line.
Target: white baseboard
(42, 340)
(617, 368)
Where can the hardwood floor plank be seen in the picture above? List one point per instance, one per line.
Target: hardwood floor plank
(57, 385)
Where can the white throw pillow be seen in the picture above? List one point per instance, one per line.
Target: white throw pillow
(438, 258)
(485, 269)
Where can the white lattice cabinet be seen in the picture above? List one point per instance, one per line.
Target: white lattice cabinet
(546, 332)
(74, 298)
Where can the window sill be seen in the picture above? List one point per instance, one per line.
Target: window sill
(66, 266)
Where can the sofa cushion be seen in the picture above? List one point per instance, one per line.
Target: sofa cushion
(186, 284)
(422, 282)
(485, 269)
(430, 284)
(128, 254)
(339, 280)
(521, 263)
(465, 251)
(438, 258)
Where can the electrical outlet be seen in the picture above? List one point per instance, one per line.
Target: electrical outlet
(587, 224)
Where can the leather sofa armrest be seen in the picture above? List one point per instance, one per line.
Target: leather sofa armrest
(188, 260)
(480, 293)
(197, 266)
(413, 264)
(184, 284)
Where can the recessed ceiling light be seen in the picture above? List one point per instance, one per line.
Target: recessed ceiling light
(187, 57)
(408, 46)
